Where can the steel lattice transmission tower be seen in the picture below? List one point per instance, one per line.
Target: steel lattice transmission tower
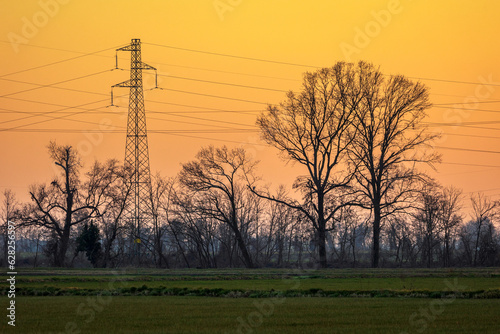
(139, 206)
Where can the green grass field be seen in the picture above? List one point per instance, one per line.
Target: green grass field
(103, 301)
(248, 315)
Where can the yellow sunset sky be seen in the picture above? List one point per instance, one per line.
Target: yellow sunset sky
(221, 61)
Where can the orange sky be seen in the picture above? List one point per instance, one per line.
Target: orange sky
(445, 40)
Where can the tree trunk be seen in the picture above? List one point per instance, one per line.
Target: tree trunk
(322, 231)
(107, 248)
(376, 236)
(480, 222)
(446, 257)
(322, 247)
(429, 251)
(36, 250)
(60, 257)
(6, 246)
(243, 248)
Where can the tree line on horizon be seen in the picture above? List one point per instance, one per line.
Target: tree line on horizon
(357, 136)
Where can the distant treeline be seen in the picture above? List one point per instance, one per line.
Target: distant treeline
(356, 135)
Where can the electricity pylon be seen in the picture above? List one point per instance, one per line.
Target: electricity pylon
(138, 212)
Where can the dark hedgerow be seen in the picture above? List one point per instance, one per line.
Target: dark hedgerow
(239, 293)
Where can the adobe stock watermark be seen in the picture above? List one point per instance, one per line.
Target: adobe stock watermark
(253, 147)
(455, 116)
(265, 307)
(482, 92)
(419, 321)
(363, 36)
(31, 25)
(87, 311)
(224, 6)
(11, 273)
(94, 138)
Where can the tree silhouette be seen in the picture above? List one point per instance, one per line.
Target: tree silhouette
(310, 128)
(66, 202)
(387, 140)
(89, 242)
(215, 192)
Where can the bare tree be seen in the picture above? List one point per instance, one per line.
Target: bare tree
(429, 216)
(160, 196)
(401, 235)
(9, 209)
(216, 192)
(64, 203)
(310, 128)
(450, 219)
(109, 181)
(344, 237)
(388, 139)
(484, 212)
(279, 220)
(179, 213)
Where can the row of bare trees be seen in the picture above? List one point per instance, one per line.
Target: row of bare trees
(186, 233)
(357, 135)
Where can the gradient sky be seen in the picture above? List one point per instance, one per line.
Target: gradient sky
(455, 43)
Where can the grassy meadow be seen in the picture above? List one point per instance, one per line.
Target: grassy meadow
(256, 301)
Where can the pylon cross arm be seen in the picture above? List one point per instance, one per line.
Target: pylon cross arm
(145, 66)
(127, 83)
(126, 48)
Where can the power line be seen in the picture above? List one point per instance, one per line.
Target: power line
(86, 109)
(243, 112)
(470, 109)
(300, 65)
(466, 149)
(475, 136)
(215, 139)
(174, 77)
(65, 117)
(53, 87)
(83, 54)
(472, 165)
(224, 83)
(53, 111)
(480, 127)
(460, 124)
(103, 94)
(450, 104)
(463, 96)
(215, 82)
(214, 96)
(174, 114)
(231, 56)
(60, 117)
(206, 81)
(56, 62)
(453, 81)
(199, 118)
(54, 118)
(167, 64)
(52, 84)
(483, 190)
(114, 131)
(178, 114)
(228, 72)
(64, 50)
